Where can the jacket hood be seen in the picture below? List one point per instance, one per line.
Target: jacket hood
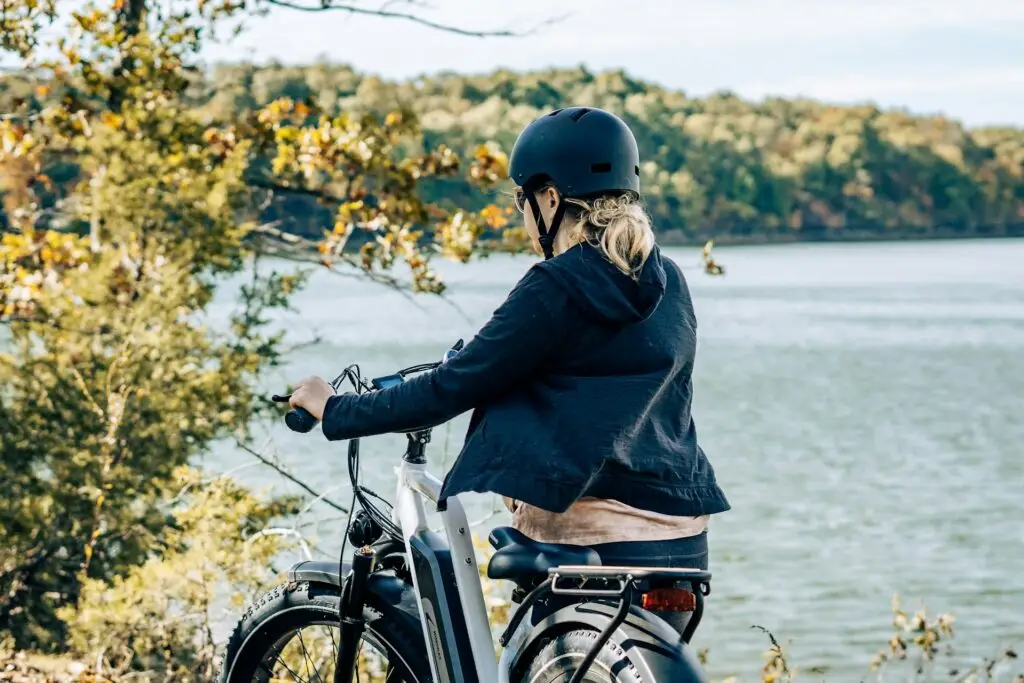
(602, 291)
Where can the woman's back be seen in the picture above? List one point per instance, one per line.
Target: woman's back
(607, 412)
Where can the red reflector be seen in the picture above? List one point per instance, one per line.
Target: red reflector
(669, 600)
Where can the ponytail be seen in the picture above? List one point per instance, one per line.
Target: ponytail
(618, 225)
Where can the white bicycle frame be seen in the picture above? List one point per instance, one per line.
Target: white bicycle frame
(447, 586)
(415, 484)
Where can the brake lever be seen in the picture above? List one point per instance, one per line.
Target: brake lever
(452, 352)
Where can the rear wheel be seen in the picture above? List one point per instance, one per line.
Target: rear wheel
(291, 634)
(559, 659)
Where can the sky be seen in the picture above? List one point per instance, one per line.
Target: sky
(961, 58)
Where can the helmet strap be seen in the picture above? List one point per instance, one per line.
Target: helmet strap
(547, 234)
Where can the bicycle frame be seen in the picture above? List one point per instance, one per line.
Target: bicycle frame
(451, 606)
(446, 579)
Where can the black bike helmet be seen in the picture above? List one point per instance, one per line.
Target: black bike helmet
(583, 152)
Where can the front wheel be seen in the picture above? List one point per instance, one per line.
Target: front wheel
(558, 660)
(291, 634)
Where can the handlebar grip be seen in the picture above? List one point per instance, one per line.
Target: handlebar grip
(300, 420)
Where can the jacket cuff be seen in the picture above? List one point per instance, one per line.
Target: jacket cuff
(333, 424)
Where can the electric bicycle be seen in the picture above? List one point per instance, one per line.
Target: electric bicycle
(415, 598)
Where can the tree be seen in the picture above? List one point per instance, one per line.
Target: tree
(111, 382)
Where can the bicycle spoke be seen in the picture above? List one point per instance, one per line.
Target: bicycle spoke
(329, 660)
(309, 660)
(319, 662)
(288, 668)
(324, 660)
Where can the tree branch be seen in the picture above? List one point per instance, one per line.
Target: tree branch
(302, 345)
(416, 3)
(264, 184)
(17, 577)
(289, 476)
(294, 248)
(281, 531)
(392, 14)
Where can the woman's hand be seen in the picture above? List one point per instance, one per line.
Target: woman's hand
(312, 394)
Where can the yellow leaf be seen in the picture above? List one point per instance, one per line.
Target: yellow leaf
(111, 119)
(9, 141)
(494, 216)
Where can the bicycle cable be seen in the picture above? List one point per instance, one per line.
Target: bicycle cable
(378, 512)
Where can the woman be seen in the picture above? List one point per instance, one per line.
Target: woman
(581, 381)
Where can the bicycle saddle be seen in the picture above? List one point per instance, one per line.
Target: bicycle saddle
(519, 557)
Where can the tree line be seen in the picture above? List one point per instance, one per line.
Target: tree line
(713, 167)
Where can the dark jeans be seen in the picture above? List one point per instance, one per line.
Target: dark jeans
(691, 552)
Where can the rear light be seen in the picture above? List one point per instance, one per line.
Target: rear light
(669, 600)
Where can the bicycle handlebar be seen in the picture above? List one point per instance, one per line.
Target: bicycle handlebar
(302, 421)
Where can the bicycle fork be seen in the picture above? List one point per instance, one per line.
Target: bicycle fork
(353, 600)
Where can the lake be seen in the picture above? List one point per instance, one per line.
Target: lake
(861, 404)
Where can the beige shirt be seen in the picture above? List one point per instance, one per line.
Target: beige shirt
(592, 521)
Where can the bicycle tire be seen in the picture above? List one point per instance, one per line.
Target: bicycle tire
(289, 607)
(558, 659)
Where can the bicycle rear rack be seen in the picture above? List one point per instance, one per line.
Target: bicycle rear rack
(629, 580)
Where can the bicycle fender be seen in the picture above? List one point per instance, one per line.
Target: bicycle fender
(389, 588)
(324, 573)
(658, 651)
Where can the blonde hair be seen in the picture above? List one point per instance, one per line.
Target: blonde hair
(618, 225)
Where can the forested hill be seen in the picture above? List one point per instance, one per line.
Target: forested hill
(713, 167)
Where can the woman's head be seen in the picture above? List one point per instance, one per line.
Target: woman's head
(577, 172)
(615, 223)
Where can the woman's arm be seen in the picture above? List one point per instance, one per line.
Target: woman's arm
(519, 337)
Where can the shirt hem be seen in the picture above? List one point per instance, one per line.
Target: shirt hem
(597, 539)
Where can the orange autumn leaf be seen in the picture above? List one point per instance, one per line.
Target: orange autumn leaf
(494, 216)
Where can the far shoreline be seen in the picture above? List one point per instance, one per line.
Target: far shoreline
(673, 238)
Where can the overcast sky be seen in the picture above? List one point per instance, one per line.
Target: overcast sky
(964, 58)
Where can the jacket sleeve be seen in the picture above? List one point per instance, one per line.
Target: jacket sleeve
(521, 335)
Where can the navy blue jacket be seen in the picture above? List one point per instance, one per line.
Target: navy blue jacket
(580, 385)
